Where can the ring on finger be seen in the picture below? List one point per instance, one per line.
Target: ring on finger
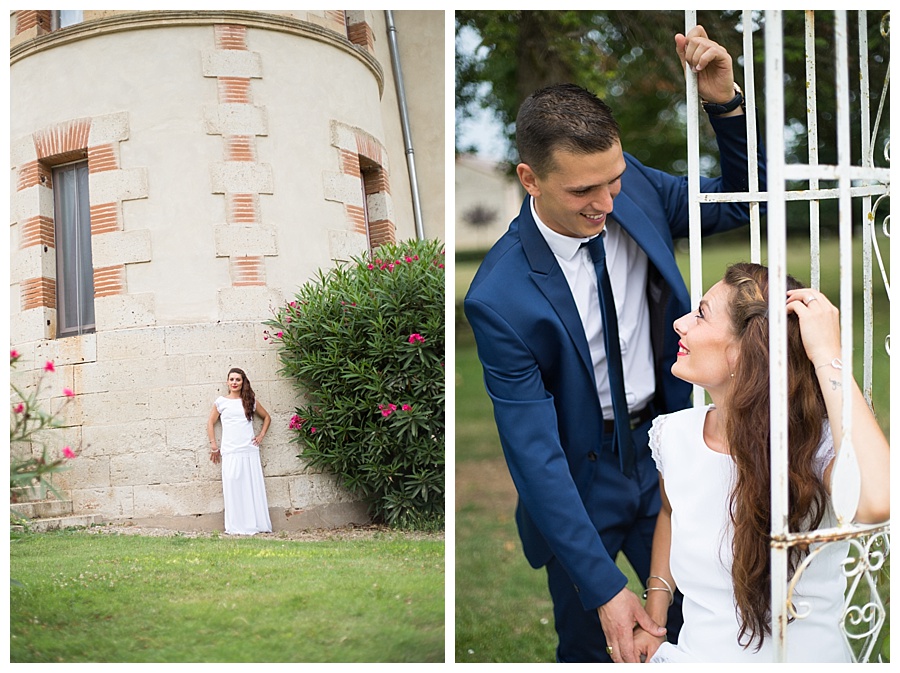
(609, 650)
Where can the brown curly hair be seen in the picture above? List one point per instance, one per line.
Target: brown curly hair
(748, 437)
(248, 397)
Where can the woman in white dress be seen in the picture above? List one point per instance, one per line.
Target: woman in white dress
(243, 487)
(712, 534)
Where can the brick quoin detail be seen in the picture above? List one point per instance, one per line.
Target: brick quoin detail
(240, 148)
(109, 280)
(336, 20)
(357, 217)
(33, 18)
(38, 292)
(37, 230)
(34, 173)
(247, 271)
(376, 180)
(381, 232)
(104, 218)
(102, 158)
(350, 163)
(231, 37)
(361, 34)
(234, 89)
(62, 139)
(242, 208)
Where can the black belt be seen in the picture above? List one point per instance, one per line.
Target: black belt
(636, 419)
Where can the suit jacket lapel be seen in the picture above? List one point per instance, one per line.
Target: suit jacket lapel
(551, 281)
(631, 218)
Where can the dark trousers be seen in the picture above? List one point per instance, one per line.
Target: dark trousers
(630, 531)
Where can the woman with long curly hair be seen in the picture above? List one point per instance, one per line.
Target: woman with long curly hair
(713, 531)
(243, 487)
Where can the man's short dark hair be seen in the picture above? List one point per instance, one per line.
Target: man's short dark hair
(562, 117)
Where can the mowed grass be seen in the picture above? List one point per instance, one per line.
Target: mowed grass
(123, 598)
(503, 608)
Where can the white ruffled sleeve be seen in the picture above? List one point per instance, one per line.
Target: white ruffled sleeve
(655, 434)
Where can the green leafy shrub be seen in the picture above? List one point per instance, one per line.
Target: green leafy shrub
(365, 344)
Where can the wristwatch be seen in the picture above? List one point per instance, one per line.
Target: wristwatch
(716, 109)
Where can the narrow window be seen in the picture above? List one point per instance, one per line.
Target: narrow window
(74, 269)
(67, 17)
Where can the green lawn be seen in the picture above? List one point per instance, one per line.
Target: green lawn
(122, 598)
(503, 609)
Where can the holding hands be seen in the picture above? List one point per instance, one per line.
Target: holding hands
(619, 617)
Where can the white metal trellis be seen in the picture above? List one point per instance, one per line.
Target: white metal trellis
(869, 545)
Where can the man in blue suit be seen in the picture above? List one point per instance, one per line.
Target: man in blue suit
(534, 311)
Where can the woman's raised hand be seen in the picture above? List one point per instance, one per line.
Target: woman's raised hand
(820, 325)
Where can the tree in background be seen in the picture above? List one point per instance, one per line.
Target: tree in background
(628, 59)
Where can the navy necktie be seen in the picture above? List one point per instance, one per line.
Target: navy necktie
(622, 439)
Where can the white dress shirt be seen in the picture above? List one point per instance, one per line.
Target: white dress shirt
(627, 266)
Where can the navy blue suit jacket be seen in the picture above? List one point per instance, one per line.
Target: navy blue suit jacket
(538, 371)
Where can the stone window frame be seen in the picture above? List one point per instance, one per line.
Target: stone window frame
(96, 140)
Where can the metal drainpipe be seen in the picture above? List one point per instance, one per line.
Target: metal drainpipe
(404, 121)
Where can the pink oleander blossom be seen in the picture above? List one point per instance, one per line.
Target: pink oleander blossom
(312, 431)
(19, 408)
(49, 366)
(416, 338)
(406, 407)
(68, 453)
(13, 355)
(296, 422)
(68, 392)
(387, 409)
(279, 334)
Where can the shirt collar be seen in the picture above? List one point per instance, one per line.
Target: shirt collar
(564, 247)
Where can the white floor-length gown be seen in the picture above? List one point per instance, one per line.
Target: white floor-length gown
(698, 484)
(243, 487)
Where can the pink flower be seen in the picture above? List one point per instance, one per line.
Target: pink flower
(20, 407)
(312, 431)
(409, 259)
(296, 422)
(387, 409)
(371, 266)
(13, 354)
(49, 366)
(406, 407)
(416, 337)
(68, 392)
(279, 334)
(68, 453)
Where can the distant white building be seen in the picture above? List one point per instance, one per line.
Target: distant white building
(176, 176)
(487, 199)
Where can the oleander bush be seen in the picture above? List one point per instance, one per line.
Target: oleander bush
(365, 344)
(27, 420)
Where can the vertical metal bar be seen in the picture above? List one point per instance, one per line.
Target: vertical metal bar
(866, 161)
(845, 222)
(777, 254)
(812, 124)
(693, 141)
(752, 144)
